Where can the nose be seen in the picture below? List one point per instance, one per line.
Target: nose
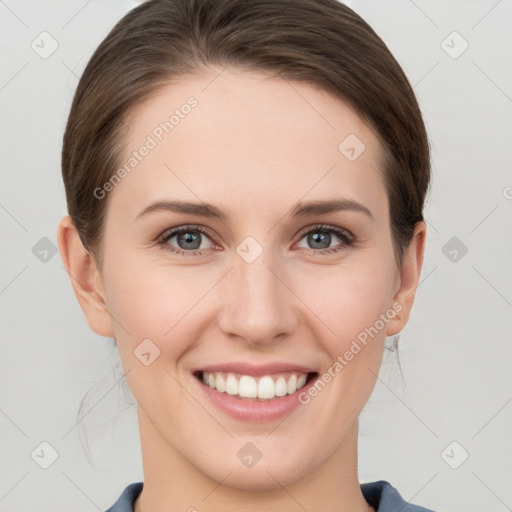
(257, 305)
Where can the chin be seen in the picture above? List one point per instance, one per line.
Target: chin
(263, 479)
(268, 473)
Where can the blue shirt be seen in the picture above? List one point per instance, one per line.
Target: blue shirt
(381, 495)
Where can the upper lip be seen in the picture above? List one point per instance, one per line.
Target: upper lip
(255, 370)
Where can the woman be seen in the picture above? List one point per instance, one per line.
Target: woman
(245, 184)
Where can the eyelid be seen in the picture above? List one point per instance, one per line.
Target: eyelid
(326, 227)
(170, 232)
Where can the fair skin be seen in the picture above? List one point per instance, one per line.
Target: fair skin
(254, 147)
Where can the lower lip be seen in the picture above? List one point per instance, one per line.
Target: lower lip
(254, 410)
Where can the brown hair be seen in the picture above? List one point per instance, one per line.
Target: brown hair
(320, 42)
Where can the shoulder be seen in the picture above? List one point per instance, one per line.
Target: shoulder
(127, 499)
(385, 498)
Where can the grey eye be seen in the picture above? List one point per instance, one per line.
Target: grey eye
(190, 239)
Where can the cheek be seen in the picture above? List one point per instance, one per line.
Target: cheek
(163, 311)
(156, 313)
(353, 303)
(348, 302)
(153, 301)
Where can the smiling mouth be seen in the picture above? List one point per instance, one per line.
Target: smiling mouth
(247, 387)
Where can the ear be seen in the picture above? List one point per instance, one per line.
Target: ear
(408, 280)
(85, 278)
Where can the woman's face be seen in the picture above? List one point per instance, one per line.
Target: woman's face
(260, 291)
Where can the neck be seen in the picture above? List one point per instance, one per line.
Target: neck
(171, 482)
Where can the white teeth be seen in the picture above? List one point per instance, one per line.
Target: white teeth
(292, 384)
(247, 387)
(281, 388)
(265, 388)
(220, 383)
(231, 385)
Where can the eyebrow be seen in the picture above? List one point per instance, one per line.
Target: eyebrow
(200, 209)
(332, 206)
(301, 209)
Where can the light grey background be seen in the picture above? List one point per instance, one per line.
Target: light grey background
(456, 351)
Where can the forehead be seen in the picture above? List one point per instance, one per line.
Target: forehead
(238, 135)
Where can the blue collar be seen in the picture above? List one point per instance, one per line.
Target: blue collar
(381, 495)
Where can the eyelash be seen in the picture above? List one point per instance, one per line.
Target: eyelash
(348, 239)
